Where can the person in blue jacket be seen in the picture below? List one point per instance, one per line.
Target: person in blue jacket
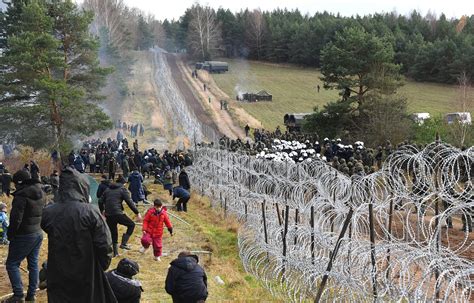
(136, 186)
(183, 198)
(3, 224)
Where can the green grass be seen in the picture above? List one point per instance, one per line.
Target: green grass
(294, 90)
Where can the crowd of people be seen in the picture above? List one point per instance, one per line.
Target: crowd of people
(354, 158)
(350, 159)
(79, 238)
(81, 241)
(135, 130)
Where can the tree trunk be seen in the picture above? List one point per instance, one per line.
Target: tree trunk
(56, 121)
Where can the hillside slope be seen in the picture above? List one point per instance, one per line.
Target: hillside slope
(294, 90)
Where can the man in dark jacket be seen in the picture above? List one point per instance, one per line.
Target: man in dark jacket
(25, 234)
(186, 281)
(54, 181)
(6, 182)
(35, 171)
(125, 167)
(126, 289)
(111, 205)
(104, 184)
(183, 198)
(112, 166)
(183, 179)
(135, 186)
(79, 164)
(79, 244)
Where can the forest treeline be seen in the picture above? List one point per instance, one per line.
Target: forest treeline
(428, 48)
(56, 57)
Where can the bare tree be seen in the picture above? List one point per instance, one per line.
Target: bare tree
(256, 30)
(204, 37)
(460, 128)
(461, 24)
(110, 14)
(159, 33)
(432, 20)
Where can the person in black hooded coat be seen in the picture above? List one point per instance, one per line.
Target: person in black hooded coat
(186, 281)
(103, 185)
(79, 244)
(126, 289)
(183, 179)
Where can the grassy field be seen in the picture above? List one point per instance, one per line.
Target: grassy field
(294, 90)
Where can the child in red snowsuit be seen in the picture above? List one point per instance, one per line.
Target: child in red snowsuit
(153, 228)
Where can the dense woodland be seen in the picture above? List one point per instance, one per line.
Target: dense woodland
(428, 48)
(362, 57)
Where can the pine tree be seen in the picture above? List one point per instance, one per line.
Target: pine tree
(50, 73)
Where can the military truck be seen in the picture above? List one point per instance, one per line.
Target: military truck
(213, 66)
(294, 121)
(262, 95)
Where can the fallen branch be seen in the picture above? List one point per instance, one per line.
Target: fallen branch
(175, 216)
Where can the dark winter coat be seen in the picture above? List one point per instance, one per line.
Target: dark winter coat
(104, 184)
(6, 181)
(135, 187)
(34, 171)
(179, 192)
(125, 167)
(187, 160)
(79, 164)
(137, 160)
(79, 245)
(184, 180)
(126, 290)
(54, 180)
(186, 280)
(112, 165)
(27, 208)
(111, 200)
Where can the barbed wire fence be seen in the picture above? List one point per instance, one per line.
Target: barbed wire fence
(312, 233)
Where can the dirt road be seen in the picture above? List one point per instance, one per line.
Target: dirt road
(222, 118)
(209, 127)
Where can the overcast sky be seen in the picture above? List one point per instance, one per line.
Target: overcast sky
(175, 8)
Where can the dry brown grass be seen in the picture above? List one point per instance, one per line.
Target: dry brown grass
(25, 154)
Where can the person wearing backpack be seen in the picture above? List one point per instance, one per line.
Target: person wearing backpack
(168, 180)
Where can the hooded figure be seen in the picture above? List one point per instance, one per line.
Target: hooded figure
(186, 281)
(35, 171)
(104, 184)
(126, 289)
(24, 234)
(79, 246)
(136, 187)
(184, 180)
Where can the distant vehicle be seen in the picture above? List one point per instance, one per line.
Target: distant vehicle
(294, 122)
(420, 118)
(262, 95)
(213, 66)
(461, 117)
